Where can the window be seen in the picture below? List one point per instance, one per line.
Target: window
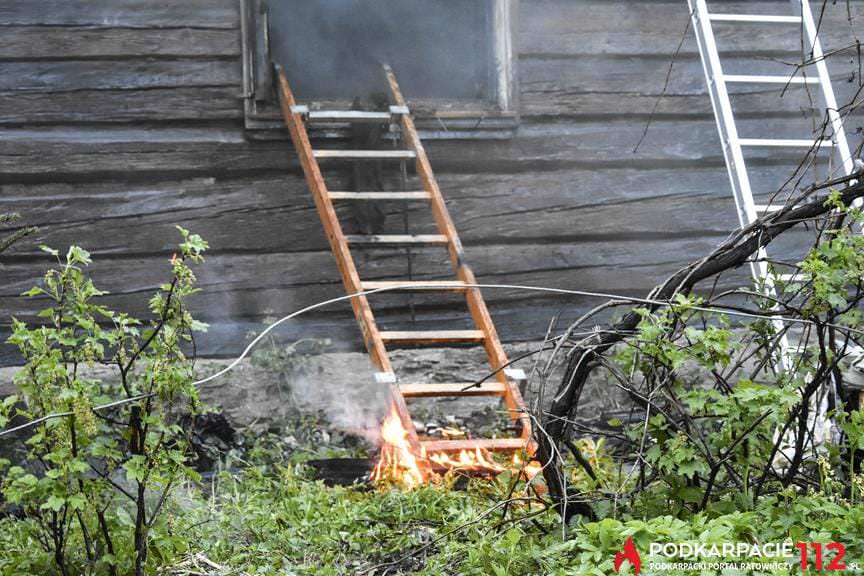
(454, 59)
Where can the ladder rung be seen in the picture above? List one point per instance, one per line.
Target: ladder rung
(418, 286)
(758, 18)
(781, 143)
(364, 154)
(349, 116)
(432, 446)
(379, 195)
(434, 337)
(441, 390)
(739, 78)
(768, 207)
(397, 239)
(792, 278)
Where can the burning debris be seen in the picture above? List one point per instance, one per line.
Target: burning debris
(397, 462)
(402, 464)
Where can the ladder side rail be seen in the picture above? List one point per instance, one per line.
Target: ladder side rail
(736, 166)
(841, 143)
(835, 119)
(335, 236)
(726, 126)
(723, 112)
(476, 304)
(339, 246)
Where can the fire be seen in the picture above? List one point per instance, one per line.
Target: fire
(529, 470)
(471, 460)
(397, 462)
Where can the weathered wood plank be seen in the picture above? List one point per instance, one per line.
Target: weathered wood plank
(654, 29)
(113, 218)
(562, 102)
(601, 86)
(68, 42)
(56, 154)
(66, 76)
(257, 285)
(120, 106)
(515, 321)
(122, 13)
(676, 143)
(240, 290)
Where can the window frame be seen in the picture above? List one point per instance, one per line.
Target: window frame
(435, 118)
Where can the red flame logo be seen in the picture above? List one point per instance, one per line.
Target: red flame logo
(630, 554)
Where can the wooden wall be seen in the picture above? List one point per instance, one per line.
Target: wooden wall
(120, 119)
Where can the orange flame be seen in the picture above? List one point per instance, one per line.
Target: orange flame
(529, 470)
(397, 462)
(470, 460)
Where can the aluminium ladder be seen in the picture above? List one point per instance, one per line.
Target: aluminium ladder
(506, 387)
(801, 20)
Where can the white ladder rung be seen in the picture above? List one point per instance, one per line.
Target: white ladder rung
(396, 195)
(756, 18)
(784, 143)
(343, 116)
(746, 79)
(792, 278)
(348, 116)
(765, 208)
(417, 286)
(364, 154)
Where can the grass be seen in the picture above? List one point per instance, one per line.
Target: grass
(264, 514)
(273, 518)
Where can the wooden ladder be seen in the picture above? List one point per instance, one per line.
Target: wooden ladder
(377, 341)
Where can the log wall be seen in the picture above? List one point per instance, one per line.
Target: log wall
(123, 118)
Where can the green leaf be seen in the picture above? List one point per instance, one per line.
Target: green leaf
(124, 517)
(54, 503)
(77, 255)
(77, 502)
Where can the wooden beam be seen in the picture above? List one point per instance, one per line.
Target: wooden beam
(499, 444)
(452, 389)
(432, 337)
(397, 239)
(417, 286)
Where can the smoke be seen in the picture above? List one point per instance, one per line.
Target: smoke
(343, 388)
(334, 48)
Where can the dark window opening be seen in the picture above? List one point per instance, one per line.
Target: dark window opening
(454, 59)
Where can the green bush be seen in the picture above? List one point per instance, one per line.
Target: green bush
(96, 481)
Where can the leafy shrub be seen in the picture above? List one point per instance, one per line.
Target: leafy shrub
(97, 480)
